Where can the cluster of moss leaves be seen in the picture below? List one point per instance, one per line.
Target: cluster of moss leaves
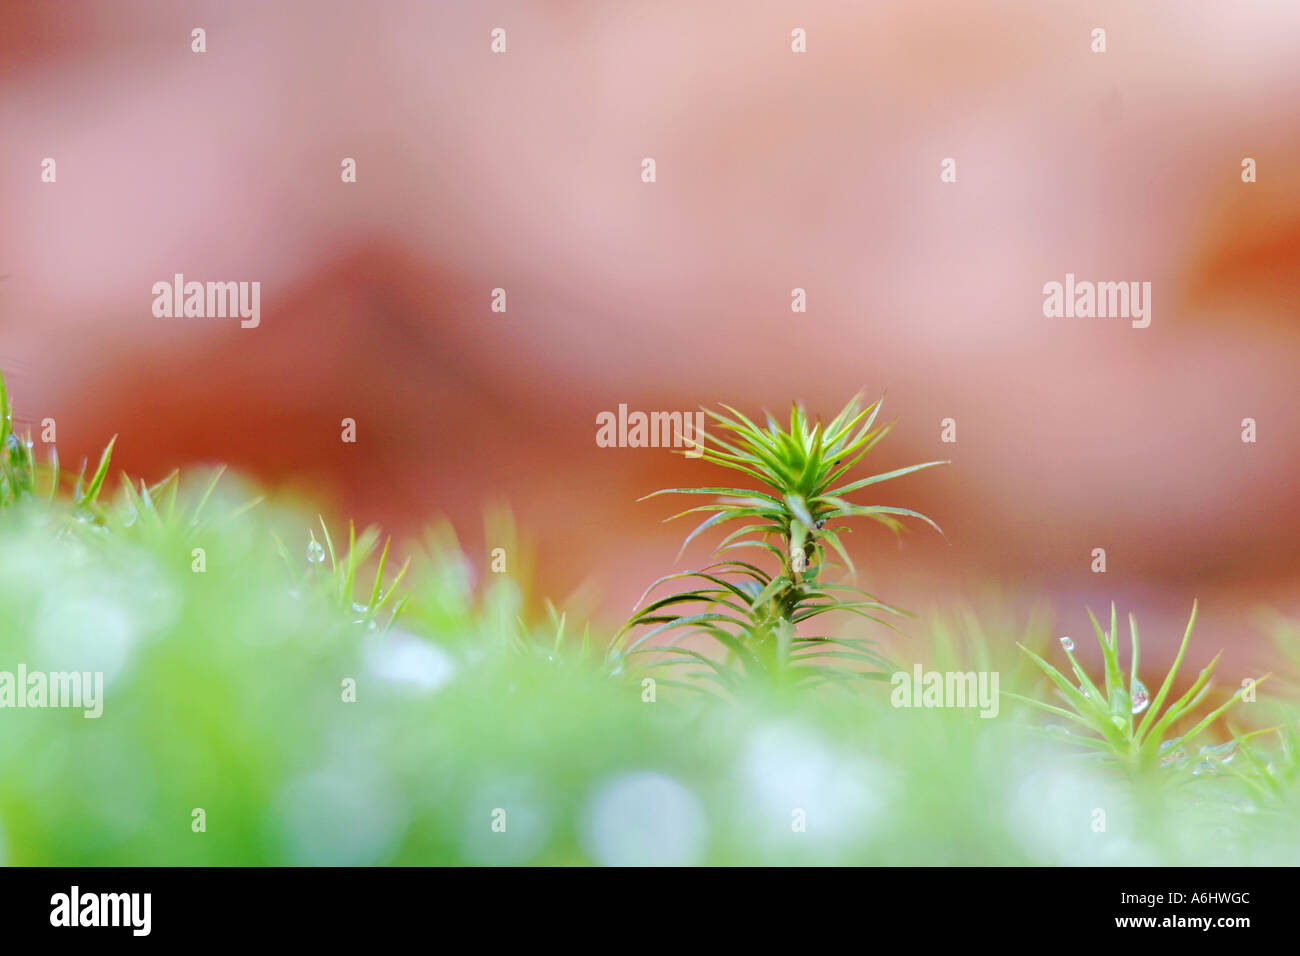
(271, 686)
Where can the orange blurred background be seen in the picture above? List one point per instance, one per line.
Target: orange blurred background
(775, 170)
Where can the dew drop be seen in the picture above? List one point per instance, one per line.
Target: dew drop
(1204, 769)
(1171, 755)
(1176, 759)
(1141, 698)
(315, 551)
(1068, 644)
(1223, 753)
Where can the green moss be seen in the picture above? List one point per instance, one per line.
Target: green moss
(309, 732)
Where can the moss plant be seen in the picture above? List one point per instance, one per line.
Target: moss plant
(18, 467)
(1124, 720)
(798, 518)
(245, 690)
(20, 473)
(338, 580)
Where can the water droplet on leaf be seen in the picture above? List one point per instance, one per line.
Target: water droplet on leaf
(1141, 698)
(1176, 759)
(1223, 753)
(1068, 644)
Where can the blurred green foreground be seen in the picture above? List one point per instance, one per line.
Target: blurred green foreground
(255, 711)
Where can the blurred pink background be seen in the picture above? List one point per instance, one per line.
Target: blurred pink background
(775, 170)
